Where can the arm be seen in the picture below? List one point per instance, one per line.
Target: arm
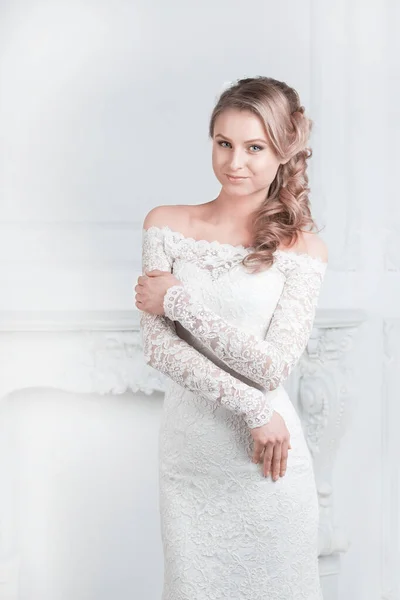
(268, 361)
(165, 351)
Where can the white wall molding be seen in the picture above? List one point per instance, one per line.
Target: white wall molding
(390, 519)
(325, 402)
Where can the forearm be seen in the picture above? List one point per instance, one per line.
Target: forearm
(165, 351)
(268, 361)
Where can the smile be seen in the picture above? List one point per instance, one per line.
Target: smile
(236, 179)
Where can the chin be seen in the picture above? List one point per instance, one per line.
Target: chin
(235, 190)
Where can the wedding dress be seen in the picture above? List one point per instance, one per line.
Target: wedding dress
(227, 342)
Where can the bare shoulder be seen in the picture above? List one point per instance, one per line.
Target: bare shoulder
(309, 243)
(170, 215)
(315, 246)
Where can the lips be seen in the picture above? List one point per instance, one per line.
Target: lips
(235, 176)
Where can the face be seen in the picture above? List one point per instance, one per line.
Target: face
(241, 149)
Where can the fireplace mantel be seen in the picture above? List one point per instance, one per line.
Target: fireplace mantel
(100, 352)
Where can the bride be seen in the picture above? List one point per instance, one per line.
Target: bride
(228, 298)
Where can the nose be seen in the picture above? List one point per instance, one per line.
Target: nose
(237, 161)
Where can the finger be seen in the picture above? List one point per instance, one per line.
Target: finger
(284, 458)
(154, 272)
(259, 455)
(269, 449)
(258, 450)
(276, 461)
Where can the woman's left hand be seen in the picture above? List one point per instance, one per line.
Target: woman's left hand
(151, 288)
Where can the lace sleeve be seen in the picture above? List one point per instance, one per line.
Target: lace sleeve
(165, 351)
(266, 361)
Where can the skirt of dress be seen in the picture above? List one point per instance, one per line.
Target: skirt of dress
(227, 531)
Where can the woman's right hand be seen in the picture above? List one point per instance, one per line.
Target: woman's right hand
(274, 437)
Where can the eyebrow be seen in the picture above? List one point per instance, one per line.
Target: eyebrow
(246, 142)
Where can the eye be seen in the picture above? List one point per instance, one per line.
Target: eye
(252, 146)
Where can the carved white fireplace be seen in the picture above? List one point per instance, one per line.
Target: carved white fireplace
(100, 353)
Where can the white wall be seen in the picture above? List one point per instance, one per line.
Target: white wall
(87, 525)
(104, 110)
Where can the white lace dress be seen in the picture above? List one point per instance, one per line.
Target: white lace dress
(227, 342)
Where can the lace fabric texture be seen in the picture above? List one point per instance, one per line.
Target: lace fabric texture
(268, 361)
(165, 351)
(226, 343)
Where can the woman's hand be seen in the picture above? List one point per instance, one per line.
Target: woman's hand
(274, 436)
(151, 288)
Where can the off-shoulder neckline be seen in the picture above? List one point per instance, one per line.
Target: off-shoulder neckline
(239, 247)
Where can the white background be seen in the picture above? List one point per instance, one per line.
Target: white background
(104, 110)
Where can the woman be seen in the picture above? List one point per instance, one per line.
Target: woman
(228, 300)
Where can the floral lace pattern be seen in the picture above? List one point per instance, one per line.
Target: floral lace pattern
(229, 533)
(165, 351)
(269, 361)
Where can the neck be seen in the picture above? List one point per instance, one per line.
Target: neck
(235, 210)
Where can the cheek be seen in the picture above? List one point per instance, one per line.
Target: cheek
(217, 158)
(217, 163)
(266, 168)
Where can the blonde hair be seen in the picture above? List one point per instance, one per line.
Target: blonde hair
(286, 209)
